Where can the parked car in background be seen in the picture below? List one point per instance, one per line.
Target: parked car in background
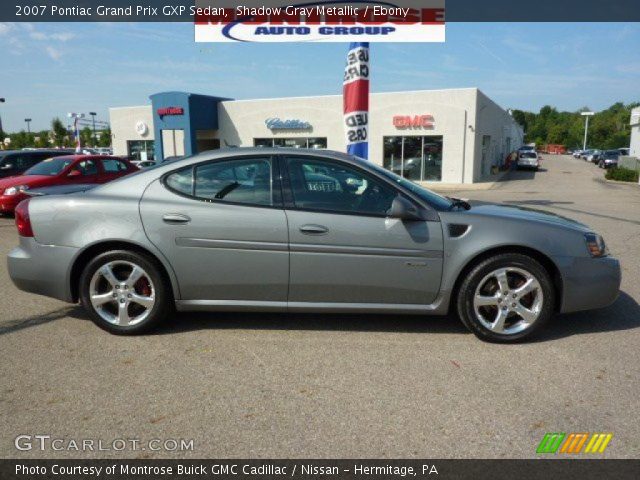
(624, 152)
(63, 170)
(145, 164)
(577, 153)
(104, 151)
(528, 159)
(609, 158)
(15, 162)
(593, 156)
(272, 229)
(585, 154)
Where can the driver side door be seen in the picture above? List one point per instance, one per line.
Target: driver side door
(345, 250)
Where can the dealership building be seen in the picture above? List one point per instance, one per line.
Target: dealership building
(634, 146)
(449, 136)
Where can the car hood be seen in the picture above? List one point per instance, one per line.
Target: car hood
(23, 180)
(527, 214)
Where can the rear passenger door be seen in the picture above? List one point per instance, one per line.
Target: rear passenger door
(84, 171)
(112, 168)
(222, 228)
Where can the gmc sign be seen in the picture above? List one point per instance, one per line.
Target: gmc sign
(413, 121)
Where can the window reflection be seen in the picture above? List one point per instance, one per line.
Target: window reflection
(297, 142)
(416, 158)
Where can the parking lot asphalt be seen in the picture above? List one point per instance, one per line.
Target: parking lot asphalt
(347, 386)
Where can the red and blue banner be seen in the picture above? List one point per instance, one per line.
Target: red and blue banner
(355, 93)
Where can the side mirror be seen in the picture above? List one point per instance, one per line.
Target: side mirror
(404, 209)
(74, 173)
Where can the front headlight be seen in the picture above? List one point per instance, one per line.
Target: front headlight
(16, 190)
(595, 245)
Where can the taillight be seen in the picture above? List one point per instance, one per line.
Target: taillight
(23, 222)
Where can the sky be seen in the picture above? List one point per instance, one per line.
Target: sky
(49, 69)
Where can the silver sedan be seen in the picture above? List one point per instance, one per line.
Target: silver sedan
(303, 230)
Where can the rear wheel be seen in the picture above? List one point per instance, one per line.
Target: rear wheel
(124, 292)
(506, 298)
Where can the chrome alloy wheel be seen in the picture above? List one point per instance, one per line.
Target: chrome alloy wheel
(508, 300)
(122, 293)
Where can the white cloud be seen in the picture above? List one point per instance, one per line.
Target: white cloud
(59, 36)
(5, 28)
(54, 53)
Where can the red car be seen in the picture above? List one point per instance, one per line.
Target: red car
(65, 170)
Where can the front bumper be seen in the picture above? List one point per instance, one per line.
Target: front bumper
(8, 203)
(42, 269)
(589, 283)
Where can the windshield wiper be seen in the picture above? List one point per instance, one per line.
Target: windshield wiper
(457, 202)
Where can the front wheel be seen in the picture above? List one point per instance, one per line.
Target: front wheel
(124, 292)
(506, 298)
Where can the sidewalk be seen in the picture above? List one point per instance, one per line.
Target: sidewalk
(452, 187)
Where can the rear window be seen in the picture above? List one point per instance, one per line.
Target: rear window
(528, 155)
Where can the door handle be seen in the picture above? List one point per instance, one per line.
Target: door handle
(314, 229)
(175, 218)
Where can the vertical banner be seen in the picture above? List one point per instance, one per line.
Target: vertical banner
(76, 127)
(355, 93)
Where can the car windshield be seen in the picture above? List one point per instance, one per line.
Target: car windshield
(50, 166)
(437, 201)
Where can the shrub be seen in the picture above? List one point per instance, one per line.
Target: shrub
(622, 174)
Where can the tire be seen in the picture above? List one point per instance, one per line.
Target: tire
(482, 320)
(115, 305)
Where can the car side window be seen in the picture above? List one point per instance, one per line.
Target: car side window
(8, 162)
(247, 180)
(240, 181)
(87, 167)
(318, 184)
(112, 165)
(181, 181)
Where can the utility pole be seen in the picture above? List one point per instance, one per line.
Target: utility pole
(586, 127)
(93, 118)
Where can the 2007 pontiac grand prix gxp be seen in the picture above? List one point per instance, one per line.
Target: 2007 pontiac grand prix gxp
(303, 230)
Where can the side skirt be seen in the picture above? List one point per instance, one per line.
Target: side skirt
(435, 308)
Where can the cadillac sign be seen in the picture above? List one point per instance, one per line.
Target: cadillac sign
(293, 124)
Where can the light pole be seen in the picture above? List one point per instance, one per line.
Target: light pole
(93, 119)
(28, 122)
(1, 131)
(586, 127)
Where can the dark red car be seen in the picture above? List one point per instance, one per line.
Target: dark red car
(65, 170)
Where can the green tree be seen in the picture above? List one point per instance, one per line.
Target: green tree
(104, 138)
(86, 137)
(59, 132)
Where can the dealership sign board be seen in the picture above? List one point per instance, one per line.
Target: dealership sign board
(292, 124)
(322, 21)
(413, 121)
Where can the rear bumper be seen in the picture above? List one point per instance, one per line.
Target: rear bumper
(42, 269)
(589, 283)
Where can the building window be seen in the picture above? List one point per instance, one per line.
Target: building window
(140, 149)
(417, 158)
(298, 142)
